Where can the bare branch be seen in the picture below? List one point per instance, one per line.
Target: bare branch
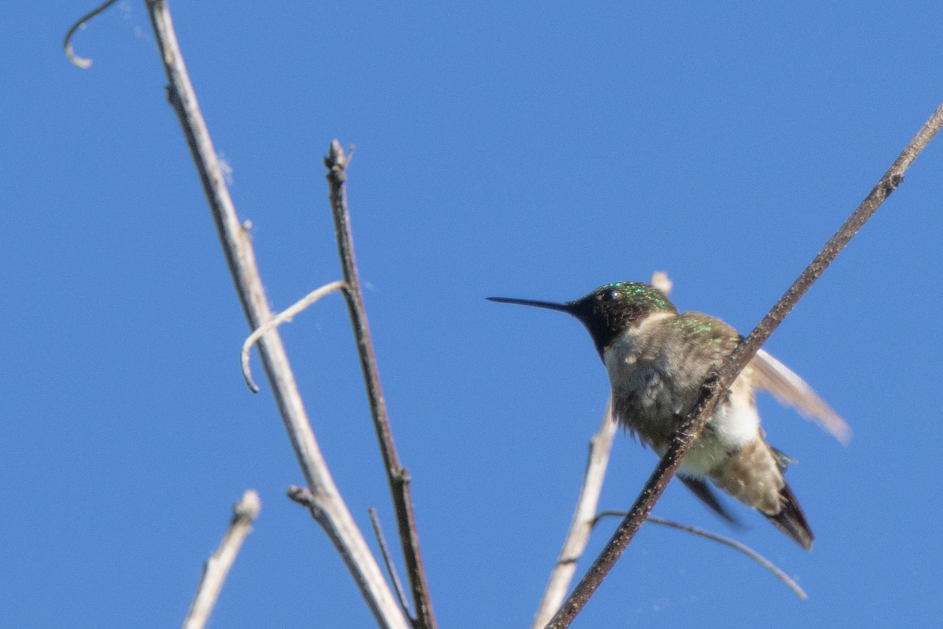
(279, 319)
(718, 382)
(67, 46)
(217, 566)
(726, 541)
(397, 475)
(584, 518)
(388, 560)
(331, 512)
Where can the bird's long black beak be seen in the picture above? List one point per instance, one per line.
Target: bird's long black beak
(567, 308)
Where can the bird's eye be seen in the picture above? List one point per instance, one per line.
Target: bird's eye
(611, 294)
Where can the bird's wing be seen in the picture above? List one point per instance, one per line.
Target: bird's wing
(791, 390)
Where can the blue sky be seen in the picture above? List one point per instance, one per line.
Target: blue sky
(534, 150)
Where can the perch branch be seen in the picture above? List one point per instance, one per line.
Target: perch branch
(81, 62)
(719, 381)
(279, 319)
(397, 475)
(330, 511)
(217, 566)
(583, 520)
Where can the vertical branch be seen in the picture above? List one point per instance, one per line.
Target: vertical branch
(718, 382)
(584, 517)
(332, 514)
(397, 475)
(217, 566)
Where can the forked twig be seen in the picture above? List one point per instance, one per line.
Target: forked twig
(584, 517)
(718, 382)
(67, 46)
(217, 566)
(397, 475)
(279, 319)
(726, 541)
(329, 509)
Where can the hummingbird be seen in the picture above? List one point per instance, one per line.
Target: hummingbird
(657, 359)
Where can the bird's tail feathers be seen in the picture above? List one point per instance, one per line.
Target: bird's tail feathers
(791, 520)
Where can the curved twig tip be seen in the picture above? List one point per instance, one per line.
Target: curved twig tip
(77, 61)
(276, 321)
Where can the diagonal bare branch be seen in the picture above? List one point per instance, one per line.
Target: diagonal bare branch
(331, 512)
(717, 383)
(397, 475)
(217, 566)
(584, 520)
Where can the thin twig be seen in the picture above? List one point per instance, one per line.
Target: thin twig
(329, 510)
(217, 566)
(67, 46)
(388, 560)
(397, 475)
(279, 319)
(583, 519)
(718, 382)
(726, 541)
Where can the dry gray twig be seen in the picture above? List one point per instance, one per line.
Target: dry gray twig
(583, 519)
(328, 508)
(397, 475)
(217, 566)
(717, 383)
